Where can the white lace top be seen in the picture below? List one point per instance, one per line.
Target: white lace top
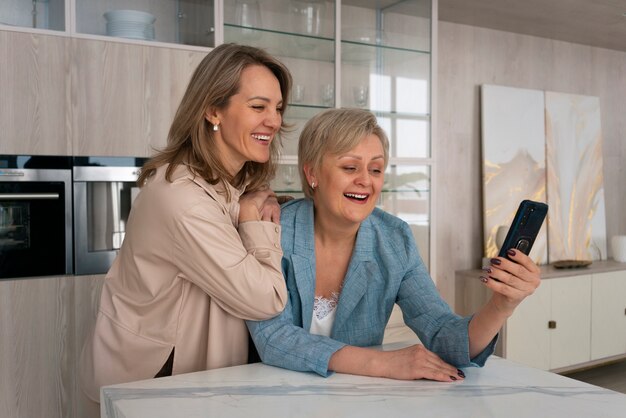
(324, 314)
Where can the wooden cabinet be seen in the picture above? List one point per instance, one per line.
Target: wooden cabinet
(124, 96)
(43, 324)
(33, 87)
(575, 318)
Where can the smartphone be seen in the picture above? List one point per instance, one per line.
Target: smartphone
(525, 227)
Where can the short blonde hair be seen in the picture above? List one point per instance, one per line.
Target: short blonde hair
(335, 131)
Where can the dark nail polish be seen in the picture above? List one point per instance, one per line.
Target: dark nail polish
(495, 261)
(511, 252)
(487, 270)
(483, 279)
(452, 377)
(461, 373)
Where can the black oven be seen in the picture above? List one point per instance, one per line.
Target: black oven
(35, 216)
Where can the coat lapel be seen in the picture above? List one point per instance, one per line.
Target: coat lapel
(304, 273)
(356, 281)
(303, 259)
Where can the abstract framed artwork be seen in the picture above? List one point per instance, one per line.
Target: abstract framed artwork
(544, 146)
(577, 228)
(513, 148)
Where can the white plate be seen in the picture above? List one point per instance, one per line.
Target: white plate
(130, 16)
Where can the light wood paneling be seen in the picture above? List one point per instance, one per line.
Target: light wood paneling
(124, 96)
(33, 86)
(43, 323)
(87, 291)
(470, 56)
(34, 330)
(597, 23)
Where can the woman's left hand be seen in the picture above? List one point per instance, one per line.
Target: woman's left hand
(511, 281)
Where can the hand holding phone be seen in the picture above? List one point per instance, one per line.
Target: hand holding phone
(525, 227)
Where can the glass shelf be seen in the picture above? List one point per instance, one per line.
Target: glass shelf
(37, 14)
(394, 80)
(283, 44)
(351, 47)
(389, 23)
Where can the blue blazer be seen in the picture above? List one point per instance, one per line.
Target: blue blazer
(385, 269)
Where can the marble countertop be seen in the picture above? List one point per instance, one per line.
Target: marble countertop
(501, 389)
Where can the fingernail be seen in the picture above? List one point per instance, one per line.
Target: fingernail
(461, 373)
(511, 252)
(495, 261)
(452, 377)
(483, 279)
(487, 270)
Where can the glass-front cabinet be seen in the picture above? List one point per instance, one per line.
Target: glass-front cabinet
(37, 14)
(185, 22)
(372, 54)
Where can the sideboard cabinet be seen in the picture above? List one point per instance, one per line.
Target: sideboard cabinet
(576, 318)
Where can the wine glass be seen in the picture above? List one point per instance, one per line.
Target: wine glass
(289, 175)
(328, 95)
(360, 94)
(297, 94)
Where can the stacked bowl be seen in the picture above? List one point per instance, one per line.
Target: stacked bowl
(133, 24)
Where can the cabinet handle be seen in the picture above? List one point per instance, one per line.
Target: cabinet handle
(552, 324)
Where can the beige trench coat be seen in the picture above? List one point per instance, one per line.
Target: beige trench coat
(187, 276)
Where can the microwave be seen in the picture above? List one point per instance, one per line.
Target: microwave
(104, 190)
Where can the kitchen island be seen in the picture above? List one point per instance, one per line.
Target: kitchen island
(501, 389)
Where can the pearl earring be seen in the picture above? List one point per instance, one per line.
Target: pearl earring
(313, 185)
(216, 127)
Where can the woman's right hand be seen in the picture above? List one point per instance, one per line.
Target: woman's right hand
(417, 362)
(260, 205)
(410, 363)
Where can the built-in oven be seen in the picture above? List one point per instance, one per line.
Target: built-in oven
(104, 189)
(35, 216)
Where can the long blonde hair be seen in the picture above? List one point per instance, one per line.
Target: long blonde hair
(190, 140)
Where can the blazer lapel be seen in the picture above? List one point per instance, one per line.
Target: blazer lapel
(304, 269)
(356, 281)
(303, 259)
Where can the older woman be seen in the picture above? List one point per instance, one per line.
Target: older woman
(199, 257)
(347, 263)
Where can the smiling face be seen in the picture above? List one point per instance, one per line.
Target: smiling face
(250, 121)
(347, 185)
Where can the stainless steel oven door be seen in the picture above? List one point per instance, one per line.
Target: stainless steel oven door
(35, 223)
(102, 201)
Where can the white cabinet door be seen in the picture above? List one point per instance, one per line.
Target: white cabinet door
(527, 339)
(571, 311)
(564, 302)
(608, 316)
